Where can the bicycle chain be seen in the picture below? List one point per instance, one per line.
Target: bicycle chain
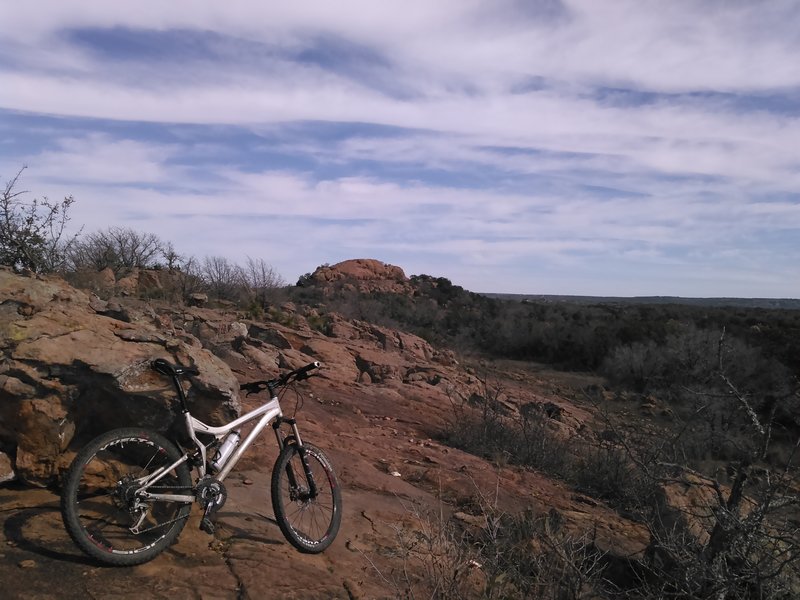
(170, 522)
(162, 525)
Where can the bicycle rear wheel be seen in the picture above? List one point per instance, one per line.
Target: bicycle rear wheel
(309, 523)
(99, 506)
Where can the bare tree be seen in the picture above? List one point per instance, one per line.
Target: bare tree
(171, 256)
(223, 277)
(261, 280)
(732, 533)
(189, 279)
(118, 248)
(33, 234)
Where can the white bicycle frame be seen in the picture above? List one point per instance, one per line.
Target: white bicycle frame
(267, 412)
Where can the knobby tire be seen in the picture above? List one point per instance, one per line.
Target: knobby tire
(96, 503)
(310, 525)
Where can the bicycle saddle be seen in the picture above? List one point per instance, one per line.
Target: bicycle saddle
(166, 368)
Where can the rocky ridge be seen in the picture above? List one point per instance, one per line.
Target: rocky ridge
(74, 365)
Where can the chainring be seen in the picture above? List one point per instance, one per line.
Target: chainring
(211, 493)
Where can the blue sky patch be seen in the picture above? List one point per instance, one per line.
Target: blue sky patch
(511, 146)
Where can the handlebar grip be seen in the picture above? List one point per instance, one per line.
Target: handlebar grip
(302, 372)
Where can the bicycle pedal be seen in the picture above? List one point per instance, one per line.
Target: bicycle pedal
(207, 526)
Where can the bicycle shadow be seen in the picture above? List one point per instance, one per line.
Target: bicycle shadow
(40, 531)
(22, 529)
(245, 532)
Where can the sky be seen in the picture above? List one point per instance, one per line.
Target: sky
(589, 147)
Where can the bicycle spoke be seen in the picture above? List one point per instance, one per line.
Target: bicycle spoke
(104, 506)
(308, 523)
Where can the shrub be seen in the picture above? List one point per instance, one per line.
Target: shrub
(321, 323)
(501, 556)
(33, 233)
(120, 249)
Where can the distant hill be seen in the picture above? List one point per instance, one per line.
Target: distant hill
(572, 332)
(773, 303)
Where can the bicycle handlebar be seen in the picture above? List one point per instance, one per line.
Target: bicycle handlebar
(254, 387)
(302, 372)
(166, 368)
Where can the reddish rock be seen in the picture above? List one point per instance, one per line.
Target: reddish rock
(688, 503)
(66, 367)
(69, 371)
(6, 468)
(149, 282)
(363, 274)
(129, 285)
(339, 362)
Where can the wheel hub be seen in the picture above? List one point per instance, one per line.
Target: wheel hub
(125, 494)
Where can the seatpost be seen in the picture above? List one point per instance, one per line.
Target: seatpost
(181, 393)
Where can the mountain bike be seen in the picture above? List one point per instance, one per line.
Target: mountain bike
(129, 492)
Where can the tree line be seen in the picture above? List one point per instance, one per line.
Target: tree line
(573, 336)
(35, 237)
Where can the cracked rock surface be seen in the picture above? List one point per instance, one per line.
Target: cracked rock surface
(72, 367)
(368, 435)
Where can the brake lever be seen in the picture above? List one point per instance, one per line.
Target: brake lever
(254, 387)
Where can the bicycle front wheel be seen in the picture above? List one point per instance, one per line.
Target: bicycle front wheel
(309, 521)
(102, 512)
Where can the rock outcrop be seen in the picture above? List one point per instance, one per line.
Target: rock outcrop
(74, 364)
(364, 275)
(68, 370)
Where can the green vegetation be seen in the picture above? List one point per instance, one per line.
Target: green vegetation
(715, 398)
(713, 391)
(571, 336)
(34, 237)
(33, 232)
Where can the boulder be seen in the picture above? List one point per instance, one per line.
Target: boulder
(198, 299)
(149, 282)
(238, 330)
(359, 268)
(129, 285)
(68, 373)
(106, 280)
(375, 366)
(6, 468)
(265, 358)
(415, 346)
(270, 335)
(363, 274)
(688, 504)
(338, 362)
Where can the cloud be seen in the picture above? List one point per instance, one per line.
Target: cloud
(101, 159)
(483, 139)
(682, 45)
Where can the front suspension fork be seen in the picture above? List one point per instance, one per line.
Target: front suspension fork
(295, 439)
